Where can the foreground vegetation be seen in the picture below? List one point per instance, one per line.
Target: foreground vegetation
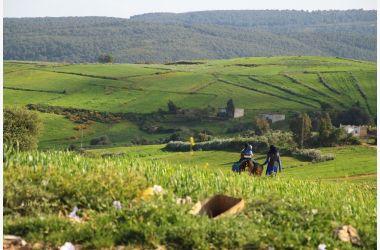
(42, 188)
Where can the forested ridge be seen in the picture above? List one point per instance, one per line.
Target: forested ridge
(167, 37)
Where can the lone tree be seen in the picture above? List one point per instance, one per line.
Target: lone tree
(173, 109)
(105, 58)
(230, 109)
(301, 127)
(261, 126)
(21, 128)
(325, 128)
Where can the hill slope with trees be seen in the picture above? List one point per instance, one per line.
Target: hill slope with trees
(167, 37)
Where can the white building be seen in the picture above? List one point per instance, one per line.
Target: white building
(272, 118)
(358, 131)
(237, 112)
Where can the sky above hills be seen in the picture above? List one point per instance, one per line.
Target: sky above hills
(127, 8)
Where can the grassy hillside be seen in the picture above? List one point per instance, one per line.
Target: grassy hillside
(274, 84)
(167, 37)
(287, 212)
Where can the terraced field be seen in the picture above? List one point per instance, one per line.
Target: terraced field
(282, 84)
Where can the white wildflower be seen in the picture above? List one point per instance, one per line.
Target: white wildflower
(157, 189)
(322, 247)
(67, 246)
(117, 205)
(314, 211)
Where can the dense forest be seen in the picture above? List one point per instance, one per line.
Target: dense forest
(167, 37)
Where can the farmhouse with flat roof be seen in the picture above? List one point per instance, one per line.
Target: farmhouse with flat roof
(358, 131)
(272, 118)
(236, 114)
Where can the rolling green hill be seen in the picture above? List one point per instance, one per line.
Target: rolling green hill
(264, 84)
(168, 37)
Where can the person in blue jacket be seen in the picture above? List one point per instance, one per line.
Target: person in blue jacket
(273, 158)
(246, 153)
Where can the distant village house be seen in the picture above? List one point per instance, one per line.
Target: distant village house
(358, 131)
(236, 114)
(272, 118)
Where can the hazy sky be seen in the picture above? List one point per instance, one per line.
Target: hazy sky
(126, 8)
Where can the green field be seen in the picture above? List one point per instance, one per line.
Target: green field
(277, 84)
(298, 209)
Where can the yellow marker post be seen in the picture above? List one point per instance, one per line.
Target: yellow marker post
(192, 143)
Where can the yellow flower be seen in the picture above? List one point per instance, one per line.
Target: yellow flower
(146, 193)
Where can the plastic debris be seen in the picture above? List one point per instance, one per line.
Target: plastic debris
(117, 205)
(73, 215)
(347, 233)
(186, 200)
(322, 246)
(67, 246)
(218, 206)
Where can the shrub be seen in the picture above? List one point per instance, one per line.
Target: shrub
(103, 140)
(203, 136)
(312, 155)
(261, 126)
(105, 58)
(21, 127)
(139, 141)
(73, 147)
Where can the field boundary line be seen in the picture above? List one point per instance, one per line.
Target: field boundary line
(284, 89)
(37, 90)
(361, 91)
(153, 90)
(326, 84)
(295, 80)
(265, 92)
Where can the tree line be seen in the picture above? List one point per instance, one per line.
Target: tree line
(202, 35)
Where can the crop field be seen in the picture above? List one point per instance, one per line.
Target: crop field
(351, 163)
(276, 84)
(298, 209)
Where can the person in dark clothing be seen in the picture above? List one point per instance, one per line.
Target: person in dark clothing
(273, 158)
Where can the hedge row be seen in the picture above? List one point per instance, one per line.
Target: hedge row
(313, 155)
(282, 140)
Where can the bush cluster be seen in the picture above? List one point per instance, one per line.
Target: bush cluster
(21, 128)
(82, 115)
(313, 155)
(102, 140)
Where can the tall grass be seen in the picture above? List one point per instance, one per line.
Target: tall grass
(280, 212)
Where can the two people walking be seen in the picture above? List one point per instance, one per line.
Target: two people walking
(272, 160)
